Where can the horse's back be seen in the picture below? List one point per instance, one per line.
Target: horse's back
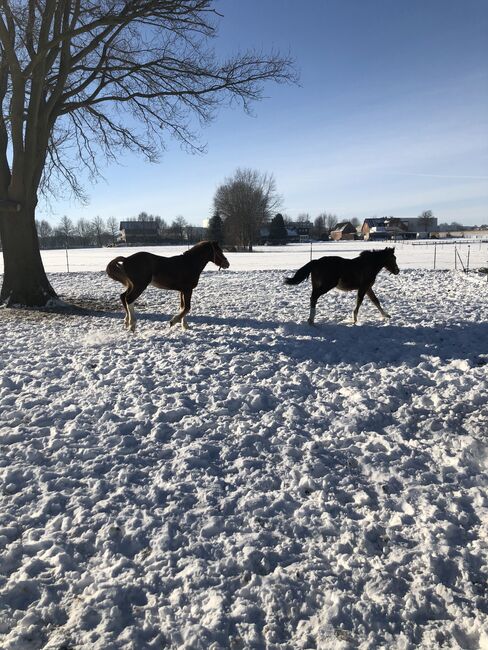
(337, 271)
(331, 264)
(178, 272)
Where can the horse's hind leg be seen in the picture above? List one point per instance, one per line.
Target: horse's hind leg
(319, 287)
(126, 310)
(185, 305)
(376, 302)
(131, 295)
(360, 298)
(313, 304)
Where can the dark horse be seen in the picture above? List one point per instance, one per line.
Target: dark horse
(349, 275)
(180, 273)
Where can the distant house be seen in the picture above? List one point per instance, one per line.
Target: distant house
(139, 232)
(343, 230)
(420, 225)
(384, 228)
(299, 231)
(194, 234)
(476, 232)
(398, 227)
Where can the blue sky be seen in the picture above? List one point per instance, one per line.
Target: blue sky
(390, 117)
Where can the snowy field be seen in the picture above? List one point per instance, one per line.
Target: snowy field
(411, 255)
(252, 482)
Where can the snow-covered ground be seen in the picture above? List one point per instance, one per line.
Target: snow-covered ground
(251, 482)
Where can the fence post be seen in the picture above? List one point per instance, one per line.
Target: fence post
(311, 250)
(467, 262)
(455, 258)
(460, 261)
(435, 253)
(67, 260)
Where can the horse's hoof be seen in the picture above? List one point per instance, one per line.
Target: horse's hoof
(311, 323)
(386, 316)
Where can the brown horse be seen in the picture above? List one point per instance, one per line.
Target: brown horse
(348, 275)
(180, 273)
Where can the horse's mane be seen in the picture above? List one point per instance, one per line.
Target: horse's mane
(197, 247)
(374, 253)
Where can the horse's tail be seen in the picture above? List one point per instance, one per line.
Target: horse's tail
(115, 270)
(301, 275)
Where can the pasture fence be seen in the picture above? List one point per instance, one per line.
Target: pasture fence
(461, 255)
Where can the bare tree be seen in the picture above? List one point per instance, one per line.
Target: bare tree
(44, 231)
(178, 227)
(245, 202)
(98, 229)
(329, 220)
(66, 229)
(162, 225)
(84, 231)
(113, 228)
(79, 79)
(426, 220)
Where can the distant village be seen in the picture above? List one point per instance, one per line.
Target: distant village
(134, 232)
(280, 230)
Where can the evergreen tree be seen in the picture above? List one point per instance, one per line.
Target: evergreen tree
(215, 228)
(277, 229)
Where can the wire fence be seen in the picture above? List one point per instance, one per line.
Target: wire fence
(458, 255)
(461, 255)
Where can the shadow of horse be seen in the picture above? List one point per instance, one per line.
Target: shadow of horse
(336, 342)
(342, 343)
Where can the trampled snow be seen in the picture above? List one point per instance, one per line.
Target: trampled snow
(252, 482)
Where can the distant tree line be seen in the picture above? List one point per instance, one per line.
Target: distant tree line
(98, 232)
(244, 205)
(85, 233)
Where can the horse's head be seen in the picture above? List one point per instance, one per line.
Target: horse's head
(390, 262)
(218, 257)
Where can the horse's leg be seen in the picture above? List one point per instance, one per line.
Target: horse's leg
(185, 304)
(187, 307)
(177, 317)
(376, 302)
(313, 303)
(360, 298)
(130, 297)
(319, 287)
(126, 310)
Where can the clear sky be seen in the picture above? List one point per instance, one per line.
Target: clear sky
(390, 117)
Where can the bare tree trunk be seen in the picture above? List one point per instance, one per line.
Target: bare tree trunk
(25, 281)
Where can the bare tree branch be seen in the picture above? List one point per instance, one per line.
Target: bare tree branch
(79, 78)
